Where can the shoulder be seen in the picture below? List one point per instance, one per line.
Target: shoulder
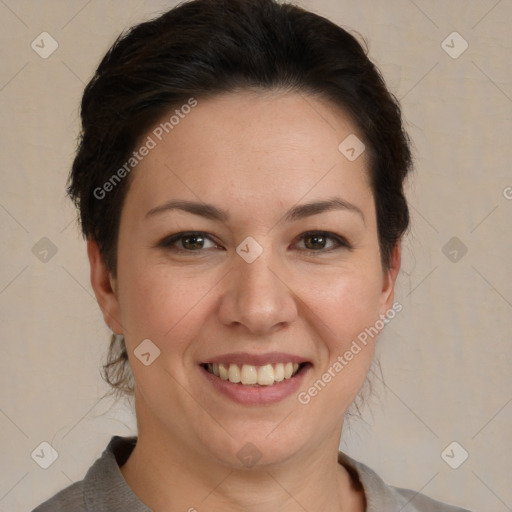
(70, 499)
(381, 497)
(423, 503)
(103, 487)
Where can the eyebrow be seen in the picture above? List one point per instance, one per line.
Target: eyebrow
(295, 213)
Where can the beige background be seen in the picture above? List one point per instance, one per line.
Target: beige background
(446, 357)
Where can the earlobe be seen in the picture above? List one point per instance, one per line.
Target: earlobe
(103, 284)
(390, 276)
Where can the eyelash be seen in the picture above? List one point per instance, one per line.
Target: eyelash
(168, 242)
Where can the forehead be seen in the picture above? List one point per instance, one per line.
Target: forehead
(249, 145)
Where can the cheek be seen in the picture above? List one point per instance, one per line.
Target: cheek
(155, 300)
(159, 302)
(346, 310)
(168, 303)
(347, 302)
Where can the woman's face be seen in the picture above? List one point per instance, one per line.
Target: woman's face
(253, 284)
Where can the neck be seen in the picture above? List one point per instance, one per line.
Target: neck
(168, 475)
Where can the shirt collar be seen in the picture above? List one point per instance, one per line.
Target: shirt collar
(104, 484)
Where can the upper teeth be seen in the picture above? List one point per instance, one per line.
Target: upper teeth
(249, 374)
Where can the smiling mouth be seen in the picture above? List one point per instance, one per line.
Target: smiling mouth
(255, 376)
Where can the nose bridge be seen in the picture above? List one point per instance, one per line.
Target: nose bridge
(258, 296)
(258, 277)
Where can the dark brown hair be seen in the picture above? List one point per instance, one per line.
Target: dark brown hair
(205, 47)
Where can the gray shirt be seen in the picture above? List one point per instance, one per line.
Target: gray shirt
(105, 490)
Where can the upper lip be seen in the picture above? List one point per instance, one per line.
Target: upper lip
(241, 358)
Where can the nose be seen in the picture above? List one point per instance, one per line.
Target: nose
(257, 296)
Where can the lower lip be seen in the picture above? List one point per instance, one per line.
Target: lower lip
(257, 395)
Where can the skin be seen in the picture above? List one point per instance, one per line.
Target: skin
(254, 155)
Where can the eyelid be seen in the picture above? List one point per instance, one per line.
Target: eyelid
(341, 242)
(170, 241)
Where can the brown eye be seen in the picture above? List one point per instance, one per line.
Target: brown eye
(315, 241)
(322, 241)
(192, 242)
(187, 242)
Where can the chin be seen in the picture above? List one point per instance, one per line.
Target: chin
(255, 444)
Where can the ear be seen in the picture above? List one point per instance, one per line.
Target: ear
(390, 275)
(104, 286)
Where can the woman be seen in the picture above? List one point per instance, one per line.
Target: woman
(240, 186)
